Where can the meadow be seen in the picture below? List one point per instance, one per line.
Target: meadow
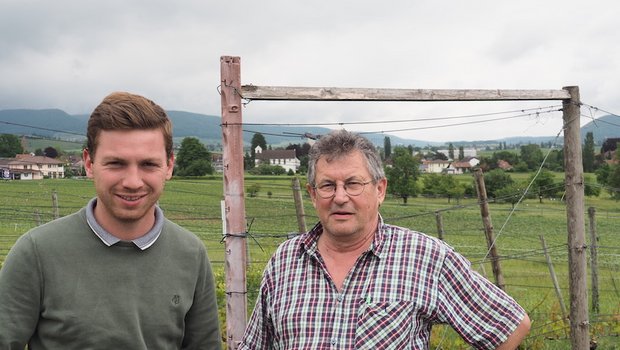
(195, 204)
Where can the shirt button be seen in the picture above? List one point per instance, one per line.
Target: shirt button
(334, 341)
(340, 298)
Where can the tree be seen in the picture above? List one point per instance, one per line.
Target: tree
(588, 153)
(545, 185)
(253, 189)
(442, 185)
(403, 174)
(50, 152)
(590, 188)
(510, 157)
(10, 146)
(268, 169)
(495, 180)
(193, 159)
(532, 156)
(602, 174)
(248, 161)
(451, 151)
(387, 147)
(613, 178)
(613, 181)
(461, 153)
(257, 140)
(511, 193)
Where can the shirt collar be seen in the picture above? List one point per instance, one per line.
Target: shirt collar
(309, 241)
(143, 242)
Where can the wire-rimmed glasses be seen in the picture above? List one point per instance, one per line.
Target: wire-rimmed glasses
(352, 188)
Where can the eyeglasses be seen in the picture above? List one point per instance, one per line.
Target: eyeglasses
(352, 188)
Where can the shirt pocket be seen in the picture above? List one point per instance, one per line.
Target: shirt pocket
(384, 325)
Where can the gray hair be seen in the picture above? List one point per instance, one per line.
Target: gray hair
(340, 143)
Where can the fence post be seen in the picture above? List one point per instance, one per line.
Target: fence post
(594, 259)
(556, 285)
(299, 206)
(56, 210)
(37, 217)
(488, 228)
(236, 235)
(575, 222)
(439, 221)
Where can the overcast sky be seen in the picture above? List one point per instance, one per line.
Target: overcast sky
(69, 54)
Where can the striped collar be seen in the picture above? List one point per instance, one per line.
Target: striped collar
(142, 242)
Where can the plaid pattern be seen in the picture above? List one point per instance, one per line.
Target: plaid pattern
(406, 282)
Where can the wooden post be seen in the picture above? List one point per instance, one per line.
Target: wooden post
(554, 279)
(593, 259)
(439, 221)
(56, 210)
(37, 217)
(236, 235)
(299, 206)
(574, 185)
(488, 228)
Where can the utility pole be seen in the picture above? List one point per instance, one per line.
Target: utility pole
(234, 205)
(574, 185)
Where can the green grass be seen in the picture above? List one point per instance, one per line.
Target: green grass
(195, 204)
(60, 145)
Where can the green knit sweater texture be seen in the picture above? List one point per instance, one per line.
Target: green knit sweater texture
(61, 287)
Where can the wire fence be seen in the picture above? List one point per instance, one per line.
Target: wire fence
(272, 218)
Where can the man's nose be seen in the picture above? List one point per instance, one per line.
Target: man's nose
(133, 177)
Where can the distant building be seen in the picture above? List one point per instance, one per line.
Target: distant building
(434, 166)
(285, 158)
(467, 152)
(504, 165)
(463, 166)
(30, 167)
(217, 161)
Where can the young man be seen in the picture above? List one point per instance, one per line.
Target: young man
(354, 282)
(116, 274)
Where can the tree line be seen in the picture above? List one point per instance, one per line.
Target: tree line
(403, 167)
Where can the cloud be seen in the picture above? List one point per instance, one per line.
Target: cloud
(69, 54)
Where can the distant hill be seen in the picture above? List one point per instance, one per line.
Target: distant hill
(55, 123)
(607, 126)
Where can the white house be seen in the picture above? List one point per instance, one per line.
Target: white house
(463, 166)
(434, 166)
(30, 167)
(285, 158)
(467, 152)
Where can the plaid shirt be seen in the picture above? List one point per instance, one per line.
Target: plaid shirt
(406, 282)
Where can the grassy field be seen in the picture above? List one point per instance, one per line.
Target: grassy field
(195, 204)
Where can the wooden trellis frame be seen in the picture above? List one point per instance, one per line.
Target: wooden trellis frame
(232, 93)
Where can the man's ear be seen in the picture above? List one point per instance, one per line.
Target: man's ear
(312, 193)
(381, 190)
(170, 167)
(88, 162)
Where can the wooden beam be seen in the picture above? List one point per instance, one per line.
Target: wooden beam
(280, 93)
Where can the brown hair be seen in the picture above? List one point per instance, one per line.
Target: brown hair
(125, 111)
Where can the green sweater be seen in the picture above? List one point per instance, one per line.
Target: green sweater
(61, 287)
